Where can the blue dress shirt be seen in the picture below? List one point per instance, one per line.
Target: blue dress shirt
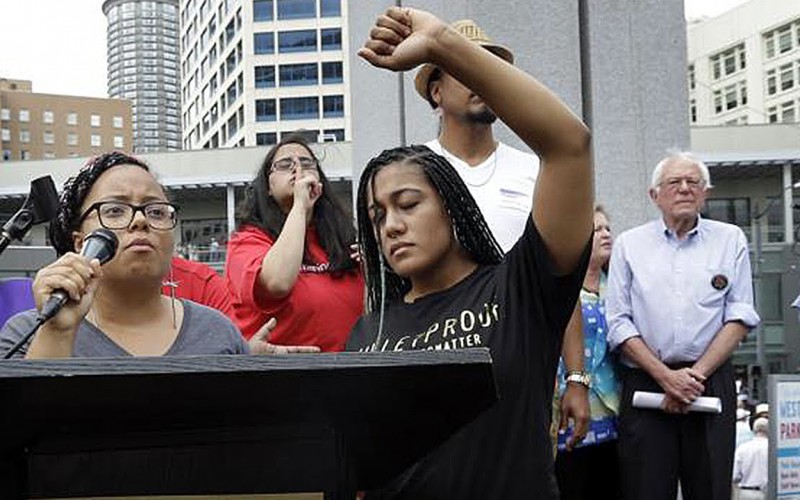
(677, 294)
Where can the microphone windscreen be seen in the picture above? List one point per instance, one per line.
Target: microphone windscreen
(44, 199)
(100, 244)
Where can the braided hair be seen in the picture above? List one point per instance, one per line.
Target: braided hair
(76, 189)
(470, 227)
(334, 228)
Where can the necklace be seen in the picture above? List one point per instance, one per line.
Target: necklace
(468, 182)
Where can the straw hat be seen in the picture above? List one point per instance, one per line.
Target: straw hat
(472, 32)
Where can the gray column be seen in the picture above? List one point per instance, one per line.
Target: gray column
(639, 98)
(788, 201)
(230, 206)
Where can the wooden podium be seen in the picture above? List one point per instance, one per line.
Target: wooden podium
(193, 425)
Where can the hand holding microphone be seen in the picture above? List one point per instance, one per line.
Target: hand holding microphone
(73, 277)
(70, 277)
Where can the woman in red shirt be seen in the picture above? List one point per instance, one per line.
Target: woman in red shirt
(290, 256)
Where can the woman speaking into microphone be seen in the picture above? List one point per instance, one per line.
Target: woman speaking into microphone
(117, 309)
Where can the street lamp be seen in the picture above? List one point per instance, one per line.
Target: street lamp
(761, 357)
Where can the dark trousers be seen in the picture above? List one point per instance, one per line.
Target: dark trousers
(589, 472)
(657, 449)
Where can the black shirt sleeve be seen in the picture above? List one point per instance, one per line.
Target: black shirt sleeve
(531, 278)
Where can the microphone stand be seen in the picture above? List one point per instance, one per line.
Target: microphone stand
(16, 227)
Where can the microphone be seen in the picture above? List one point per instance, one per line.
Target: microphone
(41, 205)
(100, 244)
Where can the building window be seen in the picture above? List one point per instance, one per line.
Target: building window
(691, 77)
(72, 139)
(333, 106)
(780, 40)
(231, 93)
(788, 113)
(734, 211)
(72, 118)
(262, 10)
(47, 116)
(330, 8)
(264, 76)
(96, 141)
(299, 108)
(693, 111)
(233, 126)
(49, 155)
(118, 122)
(48, 137)
(5, 134)
(784, 39)
(24, 115)
(728, 62)
(297, 9)
(731, 97)
(24, 135)
(265, 110)
(786, 76)
(119, 141)
(772, 82)
(264, 43)
(332, 72)
(266, 138)
(5, 114)
(298, 74)
(333, 135)
(332, 39)
(772, 114)
(24, 155)
(95, 120)
(297, 41)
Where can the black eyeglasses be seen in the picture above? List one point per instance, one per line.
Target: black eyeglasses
(119, 214)
(287, 164)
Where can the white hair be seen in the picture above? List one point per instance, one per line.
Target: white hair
(761, 425)
(658, 172)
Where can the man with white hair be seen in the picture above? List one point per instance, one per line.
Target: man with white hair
(750, 464)
(680, 299)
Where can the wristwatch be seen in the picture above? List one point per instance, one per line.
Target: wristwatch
(579, 377)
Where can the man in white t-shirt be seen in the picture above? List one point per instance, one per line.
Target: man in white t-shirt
(501, 179)
(750, 464)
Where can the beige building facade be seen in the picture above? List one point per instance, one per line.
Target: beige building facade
(46, 126)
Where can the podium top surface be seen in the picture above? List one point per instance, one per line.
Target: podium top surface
(374, 401)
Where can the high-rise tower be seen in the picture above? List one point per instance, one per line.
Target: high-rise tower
(143, 66)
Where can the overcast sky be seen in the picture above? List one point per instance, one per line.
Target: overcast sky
(61, 44)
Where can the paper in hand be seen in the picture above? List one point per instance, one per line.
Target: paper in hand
(654, 400)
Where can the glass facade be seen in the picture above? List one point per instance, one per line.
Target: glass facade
(263, 43)
(299, 74)
(299, 108)
(297, 41)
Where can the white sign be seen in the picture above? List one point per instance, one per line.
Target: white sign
(787, 427)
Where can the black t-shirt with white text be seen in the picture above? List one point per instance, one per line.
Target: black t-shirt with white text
(519, 310)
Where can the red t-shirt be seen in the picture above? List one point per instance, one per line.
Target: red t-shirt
(320, 310)
(198, 282)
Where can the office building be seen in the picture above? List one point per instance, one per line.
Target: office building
(45, 126)
(254, 70)
(744, 65)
